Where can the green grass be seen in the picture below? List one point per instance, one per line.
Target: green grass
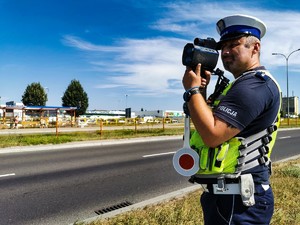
(186, 210)
(38, 139)
(286, 187)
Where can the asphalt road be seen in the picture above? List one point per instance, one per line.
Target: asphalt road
(60, 186)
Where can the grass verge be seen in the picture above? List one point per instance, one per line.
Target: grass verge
(11, 140)
(187, 211)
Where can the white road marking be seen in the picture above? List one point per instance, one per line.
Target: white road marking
(158, 154)
(7, 175)
(285, 137)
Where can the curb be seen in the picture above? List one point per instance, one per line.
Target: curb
(140, 205)
(80, 144)
(288, 159)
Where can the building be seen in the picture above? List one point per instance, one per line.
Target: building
(160, 113)
(104, 114)
(35, 116)
(109, 114)
(11, 109)
(293, 105)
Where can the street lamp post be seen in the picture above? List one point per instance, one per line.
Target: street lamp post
(287, 80)
(126, 96)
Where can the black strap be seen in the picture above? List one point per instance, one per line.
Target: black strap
(210, 180)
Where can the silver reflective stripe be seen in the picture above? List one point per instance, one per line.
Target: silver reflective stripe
(252, 147)
(250, 165)
(254, 137)
(249, 157)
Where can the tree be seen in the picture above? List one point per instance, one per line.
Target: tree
(75, 96)
(34, 95)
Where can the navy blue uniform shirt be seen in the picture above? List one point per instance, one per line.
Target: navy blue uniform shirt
(251, 105)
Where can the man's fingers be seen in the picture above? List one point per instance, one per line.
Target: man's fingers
(198, 69)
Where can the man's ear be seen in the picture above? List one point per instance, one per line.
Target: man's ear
(256, 47)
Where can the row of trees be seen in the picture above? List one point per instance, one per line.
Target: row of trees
(74, 96)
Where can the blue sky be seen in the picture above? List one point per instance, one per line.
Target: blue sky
(128, 53)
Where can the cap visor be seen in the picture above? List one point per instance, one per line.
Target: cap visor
(229, 38)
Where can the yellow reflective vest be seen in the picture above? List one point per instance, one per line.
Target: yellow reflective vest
(237, 154)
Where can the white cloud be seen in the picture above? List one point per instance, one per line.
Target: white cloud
(105, 86)
(153, 66)
(282, 26)
(83, 45)
(147, 64)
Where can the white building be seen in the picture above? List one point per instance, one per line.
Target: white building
(15, 110)
(160, 113)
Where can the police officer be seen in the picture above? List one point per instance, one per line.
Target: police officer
(250, 105)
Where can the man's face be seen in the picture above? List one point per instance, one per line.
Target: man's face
(236, 55)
